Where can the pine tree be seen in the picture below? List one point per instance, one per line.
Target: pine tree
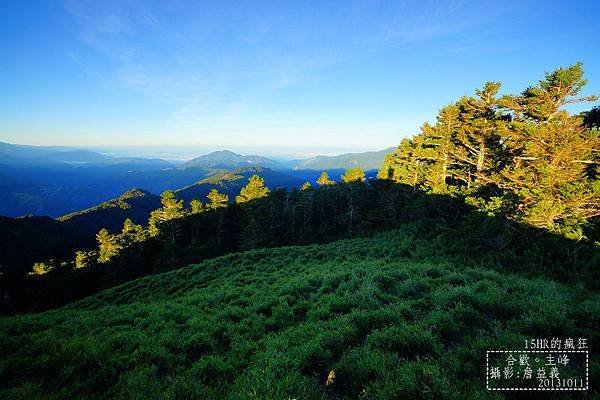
(255, 189)
(85, 259)
(40, 268)
(218, 203)
(108, 246)
(527, 156)
(132, 232)
(324, 179)
(216, 199)
(306, 186)
(552, 155)
(407, 165)
(172, 208)
(479, 138)
(196, 206)
(438, 145)
(591, 118)
(545, 100)
(354, 175)
(353, 194)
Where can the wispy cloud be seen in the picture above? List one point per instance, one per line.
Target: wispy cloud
(220, 62)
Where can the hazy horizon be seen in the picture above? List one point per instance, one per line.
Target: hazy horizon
(184, 153)
(180, 153)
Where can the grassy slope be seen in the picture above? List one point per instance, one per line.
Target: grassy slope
(389, 318)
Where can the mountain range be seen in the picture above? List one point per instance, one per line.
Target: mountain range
(70, 194)
(56, 181)
(17, 155)
(370, 160)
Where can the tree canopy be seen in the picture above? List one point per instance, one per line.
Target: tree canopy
(108, 245)
(216, 199)
(523, 155)
(354, 175)
(172, 208)
(255, 189)
(324, 179)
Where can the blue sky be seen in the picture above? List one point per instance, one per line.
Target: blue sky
(278, 74)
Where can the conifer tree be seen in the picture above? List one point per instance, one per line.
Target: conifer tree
(172, 208)
(132, 232)
(306, 186)
(324, 179)
(545, 100)
(216, 199)
(354, 175)
(437, 146)
(591, 118)
(40, 268)
(527, 155)
(254, 231)
(108, 246)
(196, 206)
(218, 203)
(552, 154)
(479, 138)
(85, 259)
(407, 165)
(255, 189)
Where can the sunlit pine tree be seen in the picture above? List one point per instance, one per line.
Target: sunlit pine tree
(324, 179)
(255, 189)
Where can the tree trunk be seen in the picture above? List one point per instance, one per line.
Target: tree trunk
(480, 160)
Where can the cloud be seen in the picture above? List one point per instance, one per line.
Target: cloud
(211, 63)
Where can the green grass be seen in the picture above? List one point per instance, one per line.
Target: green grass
(391, 319)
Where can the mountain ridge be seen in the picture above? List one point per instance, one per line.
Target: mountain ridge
(35, 238)
(231, 182)
(227, 159)
(57, 181)
(368, 160)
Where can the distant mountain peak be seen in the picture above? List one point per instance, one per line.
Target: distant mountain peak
(227, 159)
(133, 193)
(224, 152)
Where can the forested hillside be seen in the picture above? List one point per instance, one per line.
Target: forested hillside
(231, 182)
(135, 204)
(514, 175)
(35, 238)
(177, 236)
